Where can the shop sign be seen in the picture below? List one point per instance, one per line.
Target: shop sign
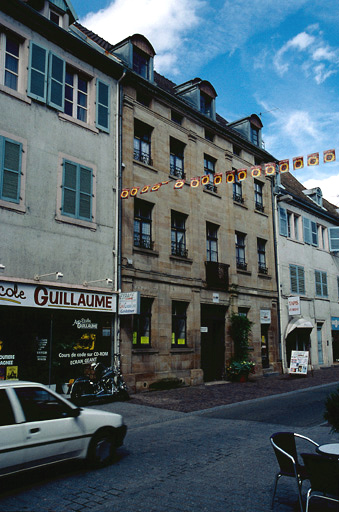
(294, 306)
(129, 303)
(299, 362)
(265, 316)
(335, 323)
(38, 296)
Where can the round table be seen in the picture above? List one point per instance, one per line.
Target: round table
(331, 450)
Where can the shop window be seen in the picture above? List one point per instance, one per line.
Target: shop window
(143, 224)
(212, 241)
(179, 323)
(142, 324)
(178, 234)
(297, 279)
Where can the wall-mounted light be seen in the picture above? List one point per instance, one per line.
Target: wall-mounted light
(107, 279)
(2, 267)
(58, 275)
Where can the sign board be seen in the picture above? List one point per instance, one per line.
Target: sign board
(294, 306)
(129, 303)
(265, 316)
(40, 296)
(335, 323)
(203, 329)
(299, 362)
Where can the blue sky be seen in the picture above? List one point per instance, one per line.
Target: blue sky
(276, 58)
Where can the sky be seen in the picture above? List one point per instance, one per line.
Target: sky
(278, 59)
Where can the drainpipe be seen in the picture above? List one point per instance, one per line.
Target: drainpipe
(115, 349)
(276, 258)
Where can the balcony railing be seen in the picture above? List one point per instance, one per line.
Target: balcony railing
(262, 269)
(211, 187)
(177, 172)
(143, 242)
(179, 250)
(259, 207)
(142, 157)
(241, 264)
(238, 198)
(217, 275)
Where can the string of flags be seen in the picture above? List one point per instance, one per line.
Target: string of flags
(255, 171)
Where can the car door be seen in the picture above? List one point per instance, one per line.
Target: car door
(12, 436)
(52, 431)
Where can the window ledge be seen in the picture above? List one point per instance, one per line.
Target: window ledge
(144, 350)
(236, 203)
(181, 259)
(15, 94)
(149, 252)
(264, 276)
(76, 222)
(260, 213)
(16, 207)
(65, 117)
(210, 192)
(145, 166)
(245, 272)
(180, 350)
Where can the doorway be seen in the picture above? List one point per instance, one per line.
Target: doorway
(213, 341)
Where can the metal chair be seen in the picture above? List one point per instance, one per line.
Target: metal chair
(284, 445)
(323, 473)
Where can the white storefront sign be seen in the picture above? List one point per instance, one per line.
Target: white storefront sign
(299, 362)
(294, 306)
(40, 296)
(265, 316)
(129, 303)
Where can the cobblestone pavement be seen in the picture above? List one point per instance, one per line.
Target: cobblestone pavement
(195, 398)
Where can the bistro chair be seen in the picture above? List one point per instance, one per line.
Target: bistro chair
(323, 473)
(284, 445)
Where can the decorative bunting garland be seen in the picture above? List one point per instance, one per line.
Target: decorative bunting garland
(241, 174)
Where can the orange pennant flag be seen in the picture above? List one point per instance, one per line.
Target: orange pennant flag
(124, 193)
(329, 156)
(298, 162)
(269, 169)
(284, 166)
(256, 171)
(313, 159)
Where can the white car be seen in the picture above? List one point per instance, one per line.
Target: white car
(38, 427)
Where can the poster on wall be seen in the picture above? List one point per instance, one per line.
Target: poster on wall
(299, 362)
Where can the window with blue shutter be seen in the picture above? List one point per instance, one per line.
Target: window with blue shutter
(334, 239)
(37, 72)
(10, 170)
(321, 284)
(307, 230)
(56, 82)
(314, 233)
(283, 221)
(102, 110)
(77, 191)
(297, 279)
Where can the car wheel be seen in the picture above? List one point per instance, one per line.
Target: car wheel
(101, 449)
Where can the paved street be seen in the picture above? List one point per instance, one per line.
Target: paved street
(216, 460)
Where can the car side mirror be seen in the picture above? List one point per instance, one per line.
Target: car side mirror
(75, 412)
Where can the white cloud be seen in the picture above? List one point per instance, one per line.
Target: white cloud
(329, 187)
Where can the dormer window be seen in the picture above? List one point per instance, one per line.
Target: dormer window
(53, 16)
(254, 135)
(205, 104)
(315, 194)
(140, 62)
(199, 93)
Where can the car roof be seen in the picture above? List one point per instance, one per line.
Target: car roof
(9, 383)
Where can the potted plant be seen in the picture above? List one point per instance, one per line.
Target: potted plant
(240, 366)
(239, 370)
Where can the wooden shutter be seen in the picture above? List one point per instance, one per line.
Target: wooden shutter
(37, 72)
(314, 230)
(10, 158)
(301, 280)
(307, 230)
(56, 81)
(283, 221)
(334, 239)
(294, 279)
(69, 189)
(102, 106)
(85, 193)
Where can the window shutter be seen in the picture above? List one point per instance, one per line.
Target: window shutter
(294, 279)
(56, 81)
(283, 221)
(37, 72)
(334, 239)
(102, 111)
(301, 280)
(324, 282)
(314, 230)
(69, 189)
(10, 155)
(307, 230)
(85, 194)
(318, 287)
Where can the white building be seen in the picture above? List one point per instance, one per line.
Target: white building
(308, 263)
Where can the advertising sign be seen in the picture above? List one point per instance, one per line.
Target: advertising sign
(129, 303)
(265, 316)
(299, 362)
(294, 306)
(335, 323)
(40, 296)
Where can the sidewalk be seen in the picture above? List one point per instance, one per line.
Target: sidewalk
(204, 396)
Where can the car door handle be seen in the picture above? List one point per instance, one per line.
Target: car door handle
(34, 430)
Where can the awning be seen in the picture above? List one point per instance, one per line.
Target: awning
(298, 323)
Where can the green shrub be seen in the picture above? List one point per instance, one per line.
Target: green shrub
(166, 384)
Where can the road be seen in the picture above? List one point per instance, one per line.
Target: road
(217, 460)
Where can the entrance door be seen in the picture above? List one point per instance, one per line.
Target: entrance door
(213, 342)
(264, 346)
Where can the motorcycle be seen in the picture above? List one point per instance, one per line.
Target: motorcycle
(99, 383)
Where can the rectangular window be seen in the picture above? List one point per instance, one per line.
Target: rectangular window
(77, 187)
(10, 169)
(205, 104)
(261, 247)
(177, 158)
(333, 234)
(178, 234)
(37, 72)
(338, 286)
(258, 196)
(76, 95)
(321, 284)
(179, 322)
(237, 191)
(310, 232)
(255, 135)
(283, 221)
(103, 110)
(176, 117)
(142, 142)
(297, 279)
(141, 63)
(320, 343)
(10, 47)
(142, 324)
(296, 226)
(209, 170)
(212, 241)
(240, 251)
(143, 224)
(289, 222)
